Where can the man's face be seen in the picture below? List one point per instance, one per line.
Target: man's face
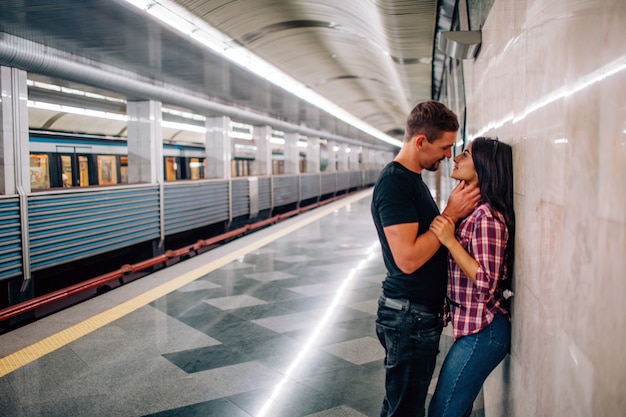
(431, 154)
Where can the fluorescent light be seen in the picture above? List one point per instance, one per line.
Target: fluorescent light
(183, 126)
(76, 110)
(183, 114)
(107, 115)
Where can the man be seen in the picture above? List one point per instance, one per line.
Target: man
(409, 321)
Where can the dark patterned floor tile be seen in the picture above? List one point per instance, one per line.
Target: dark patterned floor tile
(302, 303)
(292, 400)
(263, 347)
(217, 408)
(345, 385)
(177, 304)
(210, 357)
(226, 327)
(316, 362)
(259, 311)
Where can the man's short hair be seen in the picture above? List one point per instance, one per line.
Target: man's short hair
(431, 119)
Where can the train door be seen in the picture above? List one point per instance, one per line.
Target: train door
(67, 171)
(83, 171)
(74, 170)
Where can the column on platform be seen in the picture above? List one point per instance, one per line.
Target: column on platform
(218, 147)
(313, 155)
(262, 165)
(291, 153)
(332, 156)
(353, 158)
(342, 158)
(145, 142)
(14, 148)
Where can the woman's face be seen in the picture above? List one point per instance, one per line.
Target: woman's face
(464, 167)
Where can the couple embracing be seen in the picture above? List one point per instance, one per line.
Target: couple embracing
(452, 266)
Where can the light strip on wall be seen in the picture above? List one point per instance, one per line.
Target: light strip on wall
(592, 78)
(180, 19)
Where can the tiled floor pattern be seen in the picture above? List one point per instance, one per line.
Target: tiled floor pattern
(285, 331)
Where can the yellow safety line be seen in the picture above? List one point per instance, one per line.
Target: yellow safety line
(39, 349)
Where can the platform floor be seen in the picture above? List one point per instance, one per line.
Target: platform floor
(279, 323)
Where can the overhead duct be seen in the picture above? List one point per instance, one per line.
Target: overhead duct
(34, 57)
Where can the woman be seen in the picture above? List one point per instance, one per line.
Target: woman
(480, 263)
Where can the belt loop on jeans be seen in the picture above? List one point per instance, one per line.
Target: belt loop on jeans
(453, 303)
(404, 304)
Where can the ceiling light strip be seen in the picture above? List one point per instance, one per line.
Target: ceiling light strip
(180, 19)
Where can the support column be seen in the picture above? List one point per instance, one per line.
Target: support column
(262, 165)
(353, 158)
(332, 156)
(218, 147)
(313, 155)
(366, 159)
(342, 158)
(14, 148)
(291, 153)
(145, 142)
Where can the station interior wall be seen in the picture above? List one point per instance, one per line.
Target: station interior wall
(550, 80)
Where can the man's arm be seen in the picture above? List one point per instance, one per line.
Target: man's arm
(410, 251)
(462, 201)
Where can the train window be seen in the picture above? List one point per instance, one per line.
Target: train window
(240, 167)
(83, 166)
(39, 177)
(278, 167)
(66, 170)
(170, 168)
(124, 169)
(194, 168)
(107, 170)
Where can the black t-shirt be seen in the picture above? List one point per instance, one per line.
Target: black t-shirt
(400, 196)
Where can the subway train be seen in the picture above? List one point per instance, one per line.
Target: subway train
(82, 219)
(60, 160)
(65, 161)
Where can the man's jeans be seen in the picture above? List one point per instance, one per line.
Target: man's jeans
(410, 336)
(468, 363)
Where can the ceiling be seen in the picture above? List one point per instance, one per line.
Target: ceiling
(370, 57)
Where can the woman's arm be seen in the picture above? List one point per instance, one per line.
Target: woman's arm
(487, 245)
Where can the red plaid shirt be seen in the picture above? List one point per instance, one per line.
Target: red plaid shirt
(484, 235)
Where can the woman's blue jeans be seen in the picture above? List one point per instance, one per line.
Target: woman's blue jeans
(411, 341)
(466, 367)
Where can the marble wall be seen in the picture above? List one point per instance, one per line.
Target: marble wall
(550, 79)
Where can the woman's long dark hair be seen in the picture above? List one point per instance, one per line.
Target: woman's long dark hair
(493, 161)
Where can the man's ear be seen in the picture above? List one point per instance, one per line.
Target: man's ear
(419, 142)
